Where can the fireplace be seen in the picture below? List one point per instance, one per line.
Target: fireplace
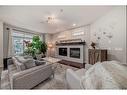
(75, 52)
(71, 51)
(63, 51)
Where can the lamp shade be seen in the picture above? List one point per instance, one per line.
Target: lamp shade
(50, 45)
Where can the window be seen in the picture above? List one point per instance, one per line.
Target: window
(78, 32)
(18, 41)
(18, 45)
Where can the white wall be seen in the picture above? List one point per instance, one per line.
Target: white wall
(68, 35)
(48, 40)
(1, 44)
(113, 23)
(65, 35)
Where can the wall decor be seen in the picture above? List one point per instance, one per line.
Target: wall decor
(109, 36)
(104, 33)
(61, 36)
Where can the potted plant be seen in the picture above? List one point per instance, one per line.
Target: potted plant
(35, 47)
(44, 48)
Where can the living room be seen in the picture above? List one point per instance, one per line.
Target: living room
(60, 46)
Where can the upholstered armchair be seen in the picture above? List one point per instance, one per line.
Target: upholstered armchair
(73, 78)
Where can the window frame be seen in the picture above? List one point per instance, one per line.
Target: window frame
(23, 38)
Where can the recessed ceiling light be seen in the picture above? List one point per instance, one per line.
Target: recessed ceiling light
(73, 24)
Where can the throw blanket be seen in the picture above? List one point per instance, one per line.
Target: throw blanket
(105, 75)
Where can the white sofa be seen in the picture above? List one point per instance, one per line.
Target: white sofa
(28, 78)
(105, 75)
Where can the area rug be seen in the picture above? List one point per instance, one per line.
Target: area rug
(5, 84)
(58, 82)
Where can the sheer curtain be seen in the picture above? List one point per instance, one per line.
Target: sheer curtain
(10, 44)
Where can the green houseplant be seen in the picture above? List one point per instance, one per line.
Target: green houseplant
(35, 47)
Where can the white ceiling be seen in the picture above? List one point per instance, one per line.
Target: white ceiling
(31, 17)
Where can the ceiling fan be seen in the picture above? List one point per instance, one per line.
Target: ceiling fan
(52, 19)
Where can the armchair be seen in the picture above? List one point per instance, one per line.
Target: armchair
(73, 78)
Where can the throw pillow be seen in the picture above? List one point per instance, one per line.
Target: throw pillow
(37, 62)
(26, 57)
(20, 59)
(19, 66)
(29, 63)
(14, 59)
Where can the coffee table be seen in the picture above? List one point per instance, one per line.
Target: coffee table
(54, 62)
(51, 59)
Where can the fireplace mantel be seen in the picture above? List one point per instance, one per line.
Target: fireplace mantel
(70, 43)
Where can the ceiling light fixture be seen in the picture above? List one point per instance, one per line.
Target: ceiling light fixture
(74, 24)
(50, 19)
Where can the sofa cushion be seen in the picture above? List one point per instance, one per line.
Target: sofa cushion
(14, 59)
(29, 63)
(20, 66)
(26, 57)
(37, 62)
(21, 59)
